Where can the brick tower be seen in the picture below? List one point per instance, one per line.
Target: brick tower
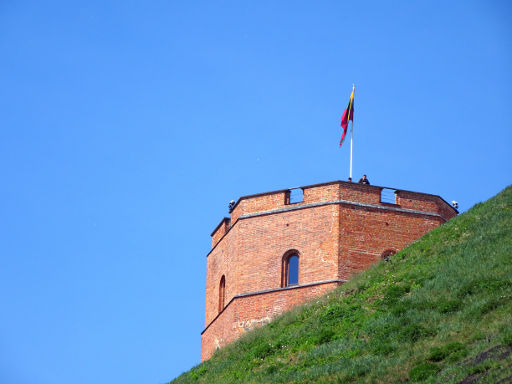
(281, 248)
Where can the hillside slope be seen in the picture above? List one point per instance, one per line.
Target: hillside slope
(440, 311)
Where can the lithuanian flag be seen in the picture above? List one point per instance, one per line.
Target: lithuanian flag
(347, 115)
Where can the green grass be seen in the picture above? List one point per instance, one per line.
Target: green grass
(440, 311)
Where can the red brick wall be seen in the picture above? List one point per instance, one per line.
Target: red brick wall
(221, 230)
(221, 262)
(367, 232)
(260, 203)
(321, 193)
(423, 202)
(247, 313)
(251, 254)
(360, 193)
(334, 240)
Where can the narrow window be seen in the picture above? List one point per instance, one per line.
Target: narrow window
(290, 274)
(222, 292)
(388, 195)
(293, 270)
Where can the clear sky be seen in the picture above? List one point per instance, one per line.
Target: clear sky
(126, 127)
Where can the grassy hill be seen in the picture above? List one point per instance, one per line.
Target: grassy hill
(440, 311)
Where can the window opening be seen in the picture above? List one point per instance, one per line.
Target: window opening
(295, 195)
(388, 195)
(222, 292)
(293, 270)
(387, 254)
(290, 270)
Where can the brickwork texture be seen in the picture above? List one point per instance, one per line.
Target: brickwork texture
(338, 229)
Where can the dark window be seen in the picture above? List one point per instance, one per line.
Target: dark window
(222, 292)
(387, 254)
(290, 269)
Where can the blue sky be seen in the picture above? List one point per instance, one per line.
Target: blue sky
(126, 127)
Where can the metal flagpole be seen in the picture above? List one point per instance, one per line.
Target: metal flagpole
(352, 132)
(351, 146)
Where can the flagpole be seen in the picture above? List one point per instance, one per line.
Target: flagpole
(351, 146)
(352, 136)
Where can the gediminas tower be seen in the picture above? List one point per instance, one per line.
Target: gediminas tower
(281, 248)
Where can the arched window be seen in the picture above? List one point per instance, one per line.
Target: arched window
(387, 254)
(290, 274)
(222, 292)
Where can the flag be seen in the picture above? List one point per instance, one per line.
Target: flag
(347, 115)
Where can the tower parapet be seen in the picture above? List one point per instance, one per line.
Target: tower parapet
(278, 249)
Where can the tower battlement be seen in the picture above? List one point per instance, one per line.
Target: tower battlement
(279, 249)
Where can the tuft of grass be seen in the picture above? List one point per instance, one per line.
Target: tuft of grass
(431, 314)
(423, 371)
(441, 353)
(507, 336)
(449, 306)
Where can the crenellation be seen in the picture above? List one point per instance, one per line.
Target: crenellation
(338, 229)
(221, 229)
